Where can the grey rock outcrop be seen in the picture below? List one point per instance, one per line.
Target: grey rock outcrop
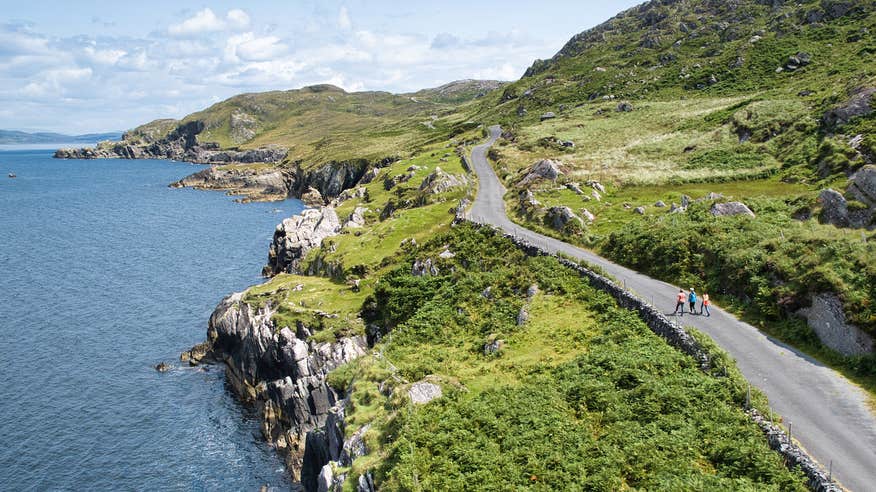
(730, 208)
(834, 208)
(283, 374)
(559, 217)
(862, 186)
(859, 104)
(312, 197)
(855, 209)
(356, 218)
(440, 181)
(827, 319)
(256, 184)
(541, 170)
(297, 235)
(424, 268)
(181, 144)
(548, 116)
(588, 215)
(423, 392)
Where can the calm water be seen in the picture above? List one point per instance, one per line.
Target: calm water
(104, 272)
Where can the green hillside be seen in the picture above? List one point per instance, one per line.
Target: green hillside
(714, 88)
(324, 123)
(763, 102)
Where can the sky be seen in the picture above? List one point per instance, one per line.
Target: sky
(111, 65)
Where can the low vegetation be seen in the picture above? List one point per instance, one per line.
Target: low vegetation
(579, 395)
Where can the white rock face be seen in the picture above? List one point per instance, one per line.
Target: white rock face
(299, 234)
(423, 392)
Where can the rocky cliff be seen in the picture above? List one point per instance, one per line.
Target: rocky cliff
(180, 144)
(297, 235)
(257, 184)
(284, 376)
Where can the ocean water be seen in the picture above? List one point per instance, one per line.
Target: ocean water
(105, 272)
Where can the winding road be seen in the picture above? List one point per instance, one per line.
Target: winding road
(827, 414)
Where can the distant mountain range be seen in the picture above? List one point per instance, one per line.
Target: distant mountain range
(18, 137)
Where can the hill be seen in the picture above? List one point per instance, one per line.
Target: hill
(19, 137)
(767, 83)
(658, 116)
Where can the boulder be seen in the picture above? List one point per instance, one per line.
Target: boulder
(575, 188)
(596, 185)
(548, 116)
(828, 321)
(639, 210)
(862, 186)
(424, 268)
(423, 392)
(522, 316)
(660, 204)
(624, 107)
(588, 216)
(685, 201)
(834, 208)
(559, 217)
(543, 169)
(859, 104)
(439, 182)
(356, 218)
(162, 367)
(297, 235)
(493, 347)
(730, 208)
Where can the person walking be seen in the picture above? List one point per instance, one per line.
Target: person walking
(680, 303)
(692, 300)
(705, 305)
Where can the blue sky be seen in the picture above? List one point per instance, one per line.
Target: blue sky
(105, 65)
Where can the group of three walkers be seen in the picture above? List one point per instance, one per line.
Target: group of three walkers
(692, 301)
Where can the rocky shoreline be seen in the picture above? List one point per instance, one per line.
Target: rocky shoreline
(283, 375)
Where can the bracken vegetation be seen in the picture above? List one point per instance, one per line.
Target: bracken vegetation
(579, 396)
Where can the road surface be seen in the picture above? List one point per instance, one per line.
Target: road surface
(828, 415)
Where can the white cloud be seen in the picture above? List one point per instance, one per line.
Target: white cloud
(248, 47)
(344, 21)
(104, 57)
(237, 19)
(205, 21)
(100, 82)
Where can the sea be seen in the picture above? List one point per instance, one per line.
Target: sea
(105, 272)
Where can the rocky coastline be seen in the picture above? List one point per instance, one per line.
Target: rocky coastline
(283, 375)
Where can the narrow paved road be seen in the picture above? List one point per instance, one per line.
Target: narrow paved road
(827, 414)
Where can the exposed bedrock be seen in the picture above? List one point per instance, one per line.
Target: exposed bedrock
(284, 375)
